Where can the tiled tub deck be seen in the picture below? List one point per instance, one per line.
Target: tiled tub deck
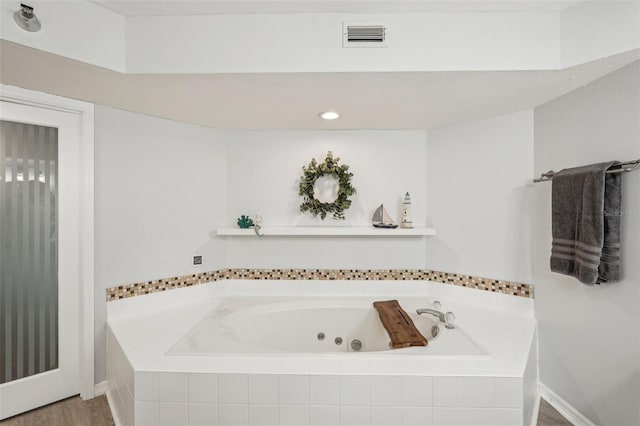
(148, 387)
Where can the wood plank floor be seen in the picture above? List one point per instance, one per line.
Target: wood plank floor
(68, 412)
(95, 412)
(548, 416)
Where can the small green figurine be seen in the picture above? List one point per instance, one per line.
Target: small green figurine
(245, 222)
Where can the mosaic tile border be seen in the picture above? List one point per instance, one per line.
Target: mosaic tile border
(479, 283)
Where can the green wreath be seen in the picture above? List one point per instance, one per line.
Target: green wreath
(311, 173)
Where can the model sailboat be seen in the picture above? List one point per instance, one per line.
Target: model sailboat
(381, 219)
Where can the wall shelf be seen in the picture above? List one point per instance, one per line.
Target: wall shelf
(329, 231)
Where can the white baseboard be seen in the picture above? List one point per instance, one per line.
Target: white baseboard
(114, 413)
(100, 388)
(535, 411)
(563, 407)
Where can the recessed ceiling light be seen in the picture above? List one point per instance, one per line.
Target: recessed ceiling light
(329, 115)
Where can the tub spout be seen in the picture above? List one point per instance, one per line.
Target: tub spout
(433, 312)
(448, 319)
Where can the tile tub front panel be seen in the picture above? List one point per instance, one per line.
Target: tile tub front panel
(359, 400)
(479, 283)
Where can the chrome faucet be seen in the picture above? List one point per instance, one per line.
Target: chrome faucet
(433, 312)
(448, 319)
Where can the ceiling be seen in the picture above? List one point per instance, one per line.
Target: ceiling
(411, 100)
(219, 7)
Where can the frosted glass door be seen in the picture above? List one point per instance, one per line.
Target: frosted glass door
(39, 256)
(28, 250)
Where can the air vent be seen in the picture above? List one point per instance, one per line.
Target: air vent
(358, 35)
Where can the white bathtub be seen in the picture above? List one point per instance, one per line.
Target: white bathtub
(247, 353)
(303, 326)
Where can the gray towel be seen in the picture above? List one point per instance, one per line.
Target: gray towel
(585, 221)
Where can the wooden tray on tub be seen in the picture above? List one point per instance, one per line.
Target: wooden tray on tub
(400, 328)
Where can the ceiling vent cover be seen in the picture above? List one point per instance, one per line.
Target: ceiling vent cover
(359, 35)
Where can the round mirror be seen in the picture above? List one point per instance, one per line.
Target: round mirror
(326, 189)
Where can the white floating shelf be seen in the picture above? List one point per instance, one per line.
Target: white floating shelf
(329, 231)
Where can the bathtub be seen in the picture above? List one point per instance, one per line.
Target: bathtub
(303, 327)
(249, 353)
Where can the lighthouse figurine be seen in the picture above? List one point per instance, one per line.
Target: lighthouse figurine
(406, 212)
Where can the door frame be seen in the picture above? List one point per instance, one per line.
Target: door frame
(86, 204)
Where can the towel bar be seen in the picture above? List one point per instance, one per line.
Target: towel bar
(627, 166)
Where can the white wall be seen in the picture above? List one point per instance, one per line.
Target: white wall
(160, 190)
(79, 30)
(264, 168)
(90, 33)
(476, 178)
(590, 336)
(313, 43)
(597, 29)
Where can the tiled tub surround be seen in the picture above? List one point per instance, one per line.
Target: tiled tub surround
(469, 281)
(146, 386)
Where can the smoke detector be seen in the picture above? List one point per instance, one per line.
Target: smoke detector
(364, 35)
(26, 19)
